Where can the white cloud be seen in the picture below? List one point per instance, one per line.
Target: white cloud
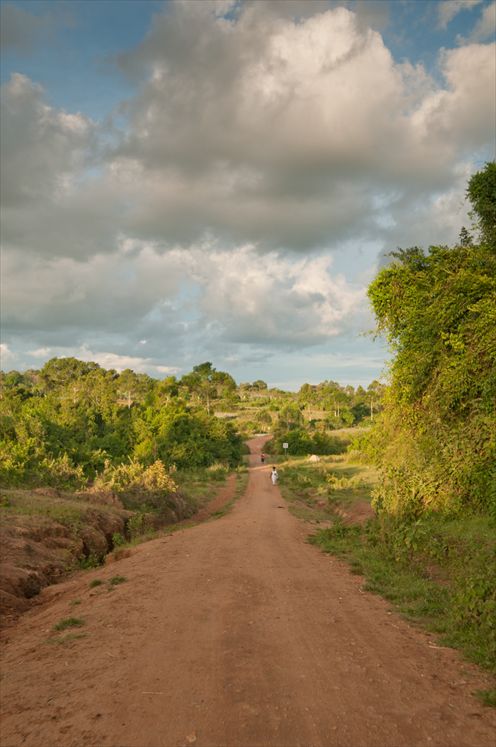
(235, 296)
(40, 353)
(271, 131)
(41, 146)
(268, 299)
(449, 9)
(6, 354)
(486, 25)
(121, 362)
(19, 30)
(61, 300)
(280, 132)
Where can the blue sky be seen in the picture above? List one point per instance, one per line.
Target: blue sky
(220, 181)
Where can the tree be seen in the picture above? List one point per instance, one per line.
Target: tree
(438, 311)
(259, 385)
(481, 192)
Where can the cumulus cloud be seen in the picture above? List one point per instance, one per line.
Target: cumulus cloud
(51, 205)
(19, 30)
(279, 131)
(449, 9)
(178, 300)
(6, 354)
(272, 300)
(258, 129)
(121, 362)
(43, 148)
(486, 25)
(115, 295)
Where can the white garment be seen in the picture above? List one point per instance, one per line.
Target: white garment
(274, 476)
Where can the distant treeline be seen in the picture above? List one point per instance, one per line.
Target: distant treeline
(70, 421)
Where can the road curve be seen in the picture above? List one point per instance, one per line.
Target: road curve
(234, 633)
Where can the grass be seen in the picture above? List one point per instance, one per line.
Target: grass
(314, 490)
(69, 622)
(198, 484)
(65, 508)
(68, 638)
(487, 697)
(92, 561)
(26, 503)
(116, 580)
(95, 582)
(75, 602)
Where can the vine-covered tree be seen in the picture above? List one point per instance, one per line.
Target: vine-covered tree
(438, 312)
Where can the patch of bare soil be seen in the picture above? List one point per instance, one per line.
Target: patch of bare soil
(234, 633)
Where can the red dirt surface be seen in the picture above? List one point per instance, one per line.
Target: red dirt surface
(234, 633)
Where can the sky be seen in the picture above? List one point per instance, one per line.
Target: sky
(191, 181)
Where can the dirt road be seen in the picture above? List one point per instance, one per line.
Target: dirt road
(234, 633)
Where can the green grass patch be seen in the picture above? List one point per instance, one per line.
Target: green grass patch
(69, 622)
(199, 484)
(62, 510)
(95, 582)
(487, 697)
(116, 580)
(65, 639)
(65, 508)
(314, 490)
(92, 561)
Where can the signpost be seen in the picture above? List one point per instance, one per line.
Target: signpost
(285, 447)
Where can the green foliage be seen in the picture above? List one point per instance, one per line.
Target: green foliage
(436, 441)
(481, 192)
(116, 580)
(301, 442)
(118, 539)
(487, 697)
(135, 526)
(92, 561)
(69, 622)
(71, 421)
(135, 477)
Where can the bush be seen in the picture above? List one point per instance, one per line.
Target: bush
(301, 443)
(134, 476)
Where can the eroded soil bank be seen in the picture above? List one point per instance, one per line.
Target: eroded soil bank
(45, 535)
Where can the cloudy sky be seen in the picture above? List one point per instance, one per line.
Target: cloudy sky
(191, 181)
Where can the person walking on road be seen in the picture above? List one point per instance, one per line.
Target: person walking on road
(262, 457)
(274, 476)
